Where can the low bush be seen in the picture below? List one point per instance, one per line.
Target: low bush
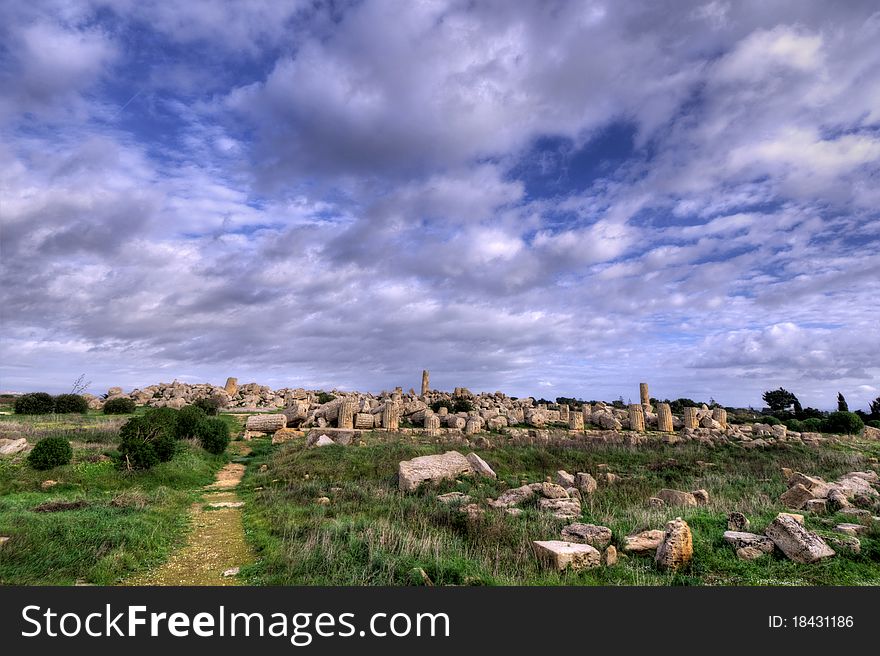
(324, 397)
(148, 440)
(795, 425)
(188, 420)
(35, 403)
(443, 403)
(120, 406)
(874, 423)
(70, 403)
(769, 420)
(848, 423)
(50, 452)
(213, 435)
(210, 404)
(812, 425)
(462, 405)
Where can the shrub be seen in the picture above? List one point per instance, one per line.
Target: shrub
(812, 425)
(188, 420)
(324, 397)
(120, 406)
(874, 423)
(70, 403)
(795, 425)
(462, 405)
(767, 419)
(214, 435)
(148, 440)
(35, 403)
(443, 403)
(50, 452)
(210, 404)
(843, 422)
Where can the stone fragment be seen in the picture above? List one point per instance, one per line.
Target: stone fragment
(514, 496)
(636, 417)
(677, 549)
(738, 539)
(597, 536)
(566, 508)
(285, 435)
(817, 506)
(664, 419)
(796, 542)
(562, 555)
(480, 466)
(851, 529)
(453, 497)
(609, 556)
(736, 521)
(553, 491)
(10, 447)
(796, 496)
(565, 479)
(266, 423)
(702, 497)
(644, 541)
(449, 465)
(677, 497)
(585, 483)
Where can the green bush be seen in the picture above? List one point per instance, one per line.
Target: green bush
(35, 403)
(324, 397)
(463, 405)
(795, 425)
(874, 423)
(188, 420)
(70, 403)
(50, 452)
(443, 403)
(213, 434)
(210, 404)
(812, 425)
(120, 406)
(770, 420)
(148, 440)
(843, 422)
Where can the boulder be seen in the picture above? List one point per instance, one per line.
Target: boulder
(609, 556)
(585, 483)
(480, 466)
(644, 541)
(736, 521)
(596, 536)
(322, 440)
(677, 548)
(796, 542)
(817, 506)
(564, 479)
(562, 555)
(453, 497)
(749, 553)
(851, 529)
(449, 465)
(702, 497)
(285, 435)
(11, 447)
(796, 496)
(266, 423)
(739, 539)
(677, 497)
(553, 491)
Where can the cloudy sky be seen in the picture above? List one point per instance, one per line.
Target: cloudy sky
(547, 198)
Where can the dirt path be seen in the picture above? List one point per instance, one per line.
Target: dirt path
(216, 543)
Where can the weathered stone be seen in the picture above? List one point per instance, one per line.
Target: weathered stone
(365, 421)
(644, 541)
(576, 421)
(677, 497)
(480, 466)
(749, 553)
(565, 479)
(851, 529)
(846, 543)
(347, 410)
(472, 425)
(597, 536)
(322, 440)
(553, 491)
(739, 539)
(795, 516)
(266, 423)
(720, 415)
(566, 508)
(677, 548)
(10, 447)
(817, 506)
(562, 555)
(656, 502)
(796, 542)
(231, 387)
(736, 521)
(664, 418)
(514, 496)
(690, 418)
(609, 556)
(637, 418)
(585, 483)
(796, 496)
(837, 499)
(449, 465)
(702, 497)
(432, 424)
(391, 415)
(425, 382)
(453, 497)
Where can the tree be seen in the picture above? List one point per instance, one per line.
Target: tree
(874, 407)
(781, 400)
(841, 403)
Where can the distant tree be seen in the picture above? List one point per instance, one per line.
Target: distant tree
(80, 385)
(781, 400)
(841, 403)
(874, 408)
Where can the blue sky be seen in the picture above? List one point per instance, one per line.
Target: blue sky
(546, 198)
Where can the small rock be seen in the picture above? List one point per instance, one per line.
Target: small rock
(231, 572)
(817, 506)
(553, 491)
(45, 485)
(702, 497)
(795, 516)
(597, 536)
(846, 543)
(611, 479)
(564, 555)
(656, 502)
(513, 497)
(10, 447)
(609, 556)
(323, 501)
(453, 497)
(473, 510)
(739, 539)
(855, 512)
(226, 504)
(736, 521)
(322, 440)
(796, 496)
(585, 483)
(449, 465)
(851, 529)
(677, 548)
(3, 540)
(561, 508)
(644, 541)
(837, 500)
(514, 512)
(565, 479)
(749, 553)
(264, 468)
(677, 497)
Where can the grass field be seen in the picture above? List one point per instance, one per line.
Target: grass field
(126, 522)
(371, 534)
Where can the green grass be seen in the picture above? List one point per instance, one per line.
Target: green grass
(131, 522)
(371, 534)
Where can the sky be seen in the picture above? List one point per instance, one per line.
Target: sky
(546, 198)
